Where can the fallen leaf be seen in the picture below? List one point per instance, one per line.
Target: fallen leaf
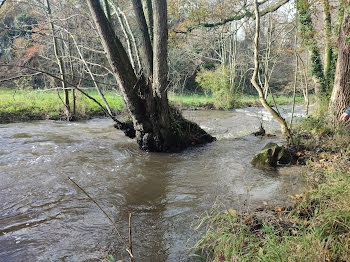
(279, 208)
(232, 212)
(298, 196)
(247, 220)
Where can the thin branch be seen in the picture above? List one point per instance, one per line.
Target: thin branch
(130, 239)
(2, 3)
(239, 16)
(106, 215)
(19, 76)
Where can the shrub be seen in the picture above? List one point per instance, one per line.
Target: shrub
(218, 83)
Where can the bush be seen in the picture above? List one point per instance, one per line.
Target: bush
(218, 83)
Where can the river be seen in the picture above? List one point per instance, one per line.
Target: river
(44, 217)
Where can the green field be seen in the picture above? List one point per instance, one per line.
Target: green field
(20, 105)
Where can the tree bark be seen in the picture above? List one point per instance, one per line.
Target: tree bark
(157, 127)
(340, 99)
(149, 17)
(147, 53)
(328, 45)
(107, 9)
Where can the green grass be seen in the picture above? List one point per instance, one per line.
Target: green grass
(196, 100)
(20, 105)
(315, 228)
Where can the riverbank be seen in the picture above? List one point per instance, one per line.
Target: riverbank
(316, 227)
(21, 106)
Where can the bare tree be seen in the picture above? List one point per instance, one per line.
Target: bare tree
(274, 113)
(157, 126)
(60, 62)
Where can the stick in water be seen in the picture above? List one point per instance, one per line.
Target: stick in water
(128, 249)
(130, 238)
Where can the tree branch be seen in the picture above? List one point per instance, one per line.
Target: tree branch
(2, 3)
(240, 16)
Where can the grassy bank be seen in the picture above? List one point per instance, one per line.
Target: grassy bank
(19, 105)
(315, 228)
(203, 101)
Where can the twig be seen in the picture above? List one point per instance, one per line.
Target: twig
(108, 217)
(130, 239)
(19, 76)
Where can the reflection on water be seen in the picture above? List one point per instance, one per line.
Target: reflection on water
(43, 217)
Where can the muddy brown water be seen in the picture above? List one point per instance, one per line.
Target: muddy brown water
(44, 217)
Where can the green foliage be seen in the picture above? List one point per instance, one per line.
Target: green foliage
(307, 30)
(314, 125)
(347, 38)
(316, 64)
(217, 82)
(304, 16)
(333, 67)
(319, 134)
(24, 83)
(320, 109)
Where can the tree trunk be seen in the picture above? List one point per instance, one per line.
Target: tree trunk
(340, 99)
(317, 69)
(149, 17)
(328, 45)
(147, 53)
(306, 90)
(157, 127)
(284, 128)
(60, 63)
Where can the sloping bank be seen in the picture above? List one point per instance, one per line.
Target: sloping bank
(316, 227)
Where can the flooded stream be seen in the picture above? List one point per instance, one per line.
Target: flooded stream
(44, 217)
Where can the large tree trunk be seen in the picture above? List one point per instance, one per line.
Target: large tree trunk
(157, 127)
(340, 99)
